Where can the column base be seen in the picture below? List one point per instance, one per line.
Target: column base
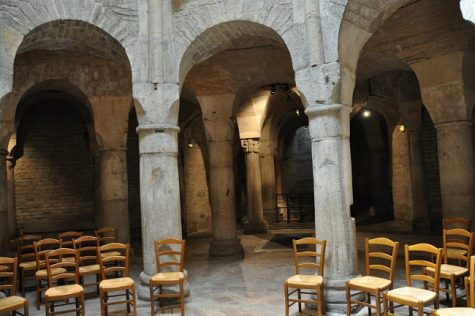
(143, 289)
(335, 296)
(256, 228)
(225, 247)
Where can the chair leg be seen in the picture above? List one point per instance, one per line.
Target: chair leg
(299, 295)
(454, 290)
(377, 298)
(101, 298)
(348, 303)
(286, 295)
(134, 300)
(152, 300)
(26, 310)
(320, 300)
(127, 297)
(182, 298)
(385, 304)
(20, 282)
(76, 300)
(38, 293)
(368, 297)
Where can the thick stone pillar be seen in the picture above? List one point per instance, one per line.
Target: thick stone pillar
(114, 191)
(159, 193)
(219, 127)
(421, 219)
(457, 178)
(269, 192)
(255, 215)
(329, 132)
(3, 203)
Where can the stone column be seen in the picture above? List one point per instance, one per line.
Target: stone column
(255, 215)
(219, 127)
(421, 218)
(114, 191)
(329, 131)
(159, 193)
(268, 180)
(3, 203)
(457, 178)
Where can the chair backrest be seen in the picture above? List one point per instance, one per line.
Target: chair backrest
(8, 274)
(170, 254)
(42, 247)
(458, 239)
(25, 247)
(55, 260)
(419, 259)
(68, 237)
(309, 254)
(87, 248)
(106, 235)
(381, 254)
(457, 222)
(117, 263)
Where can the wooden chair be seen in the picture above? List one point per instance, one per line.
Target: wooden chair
(470, 289)
(68, 237)
(380, 257)
(113, 265)
(42, 247)
(456, 222)
(69, 280)
(170, 255)
(88, 261)
(26, 258)
(306, 259)
(418, 259)
(11, 302)
(461, 241)
(106, 235)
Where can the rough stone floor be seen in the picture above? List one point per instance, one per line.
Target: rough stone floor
(237, 286)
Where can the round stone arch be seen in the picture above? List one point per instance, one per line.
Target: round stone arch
(213, 39)
(119, 21)
(359, 22)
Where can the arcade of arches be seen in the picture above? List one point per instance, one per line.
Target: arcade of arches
(199, 118)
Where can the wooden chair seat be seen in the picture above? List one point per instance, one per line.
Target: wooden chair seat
(30, 265)
(446, 270)
(370, 283)
(63, 291)
(455, 311)
(167, 276)
(304, 280)
(412, 295)
(10, 303)
(116, 284)
(91, 269)
(44, 273)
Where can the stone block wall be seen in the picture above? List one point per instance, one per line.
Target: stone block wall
(54, 177)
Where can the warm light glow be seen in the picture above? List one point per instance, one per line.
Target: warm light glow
(402, 128)
(297, 112)
(190, 145)
(366, 113)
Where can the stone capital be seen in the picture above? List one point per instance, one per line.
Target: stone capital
(158, 139)
(251, 145)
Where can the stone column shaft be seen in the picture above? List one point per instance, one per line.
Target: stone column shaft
(268, 180)
(255, 213)
(329, 131)
(159, 193)
(457, 178)
(3, 204)
(419, 198)
(114, 191)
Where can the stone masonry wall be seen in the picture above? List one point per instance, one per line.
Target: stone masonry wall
(54, 178)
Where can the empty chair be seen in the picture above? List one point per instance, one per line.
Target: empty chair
(8, 274)
(170, 256)
(68, 237)
(452, 223)
(418, 259)
(470, 289)
(64, 285)
(88, 261)
(26, 258)
(379, 274)
(42, 247)
(106, 235)
(461, 242)
(309, 255)
(111, 266)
